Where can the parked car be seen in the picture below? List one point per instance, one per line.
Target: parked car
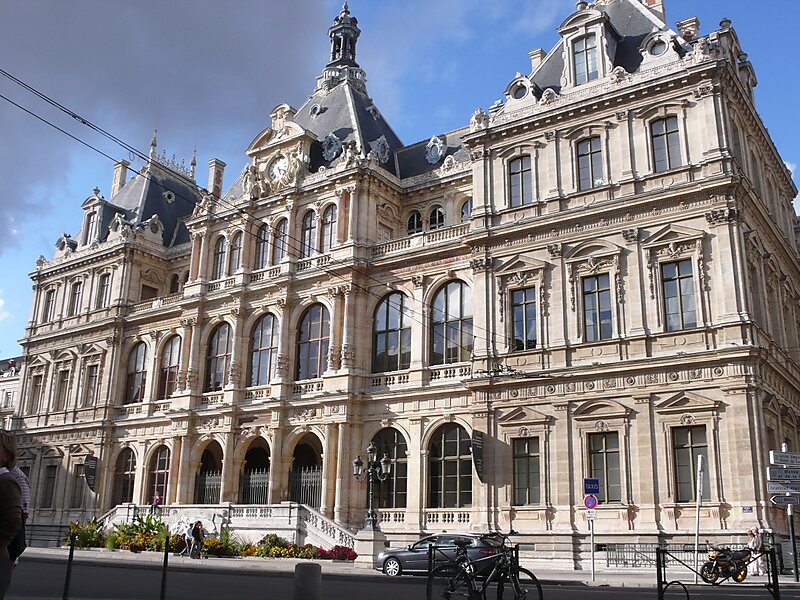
(414, 558)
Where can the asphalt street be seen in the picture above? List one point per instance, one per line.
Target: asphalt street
(44, 579)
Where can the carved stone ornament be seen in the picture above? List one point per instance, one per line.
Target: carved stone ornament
(720, 216)
(549, 96)
(434, 151)
(381, 149)
(348, 355)
(479, 120)
(619, 74)
(631, 236)
(331, 146)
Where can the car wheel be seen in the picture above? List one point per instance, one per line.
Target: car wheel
(392, 567)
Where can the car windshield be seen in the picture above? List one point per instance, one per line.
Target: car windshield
(493, 541)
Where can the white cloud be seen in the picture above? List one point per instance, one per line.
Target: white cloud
(791, 166)
(4, 314)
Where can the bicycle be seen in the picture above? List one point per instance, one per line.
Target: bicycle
(460, 578)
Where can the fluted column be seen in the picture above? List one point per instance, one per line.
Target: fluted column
(182, 492)
(171, 494)
(202, 268)
(227, 492)
(329, 461)
(276, 471)
(237, 373)
(193, 371)
(342, 473)
(335, 349)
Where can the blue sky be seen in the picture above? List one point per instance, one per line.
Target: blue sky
(208, 75)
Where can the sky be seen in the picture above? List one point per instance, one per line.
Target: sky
(206, 74)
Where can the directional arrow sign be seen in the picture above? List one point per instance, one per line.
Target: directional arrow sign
(779, 474)
(784, 458)
(783, 488)
(785, 500)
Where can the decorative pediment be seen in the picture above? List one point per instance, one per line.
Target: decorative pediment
(591, 248)
(521, 416)
(52, 452)
(283, 131)
(25, 454)
(580, 19)
(672, 234)
(80, 450)
(601, 409)
(684, 402)
(521, 267)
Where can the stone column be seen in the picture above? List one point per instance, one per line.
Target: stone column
(335, 348)
(182, 493)
(197, 250)
(352, 221)
(193, 383)
(329, 469)
(350, 356)
(202, 268)
(276, 470)
(418, 336)
(415, 496)
(140, 483)
(237, 373)
(227, 492)
(171, 495)
(342, 473)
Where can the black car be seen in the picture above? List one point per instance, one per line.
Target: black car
(414, 558)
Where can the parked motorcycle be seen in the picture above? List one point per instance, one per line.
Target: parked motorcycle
(724, 562)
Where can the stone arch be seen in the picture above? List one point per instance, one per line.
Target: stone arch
(305, 476)
(208, 479)
(255, 469)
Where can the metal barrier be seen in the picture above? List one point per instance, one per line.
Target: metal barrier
(663, 556)
(45, 535)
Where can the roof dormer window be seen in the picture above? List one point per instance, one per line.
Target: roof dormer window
(584, 55)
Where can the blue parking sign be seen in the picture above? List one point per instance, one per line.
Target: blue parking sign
(591, 486)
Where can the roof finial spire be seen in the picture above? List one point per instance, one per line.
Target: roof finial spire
(193, 164)
(153, 144)
(345, 8)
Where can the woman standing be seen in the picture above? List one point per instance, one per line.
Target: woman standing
(10, 506)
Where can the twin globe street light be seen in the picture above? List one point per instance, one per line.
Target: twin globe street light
(374, 471)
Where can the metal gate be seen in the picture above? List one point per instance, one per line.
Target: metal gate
(305, 486)
(254, 486)
(207, 487)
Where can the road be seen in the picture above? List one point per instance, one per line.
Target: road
(45, 579)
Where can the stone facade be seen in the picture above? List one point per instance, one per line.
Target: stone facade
(599, 275)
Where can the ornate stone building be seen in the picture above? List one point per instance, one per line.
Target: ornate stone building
(596, 277)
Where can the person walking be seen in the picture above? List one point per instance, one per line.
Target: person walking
(155, 505)
(10, 506)
(187, 549)
(752, 568)
(18, 544)
(198, 535)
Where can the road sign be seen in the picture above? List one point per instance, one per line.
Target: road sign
(781, 474)
(590, 501)
(785, 500)
(784, 458)
(783, 488)
(591, 486)
(591, 514)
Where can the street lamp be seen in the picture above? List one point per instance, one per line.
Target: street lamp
(374, 471)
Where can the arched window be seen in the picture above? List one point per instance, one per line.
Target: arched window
(91, 228)
(436, 218)
(159, 473)
(584, 54)
(75, 293)
(262, 248)
(466, 211)
(314, 336)
(414, 223)
(309, 242)
(279, 245)
(263, 350)
(392, 492)
(391, 348)
(329, 228)
(174, 284)
(451, 340)
(218, 267)
(170, 361)
(124, 476)
(236, 254)
(218, 358)
(137, 374)
(449, 468)
(49, 309)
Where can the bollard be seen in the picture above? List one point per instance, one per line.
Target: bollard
(164, 569)
(308, 581)
(67, 579)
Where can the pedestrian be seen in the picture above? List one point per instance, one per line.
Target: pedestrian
(155, 504)
(18, 544)
(10, 506)
(761, 562)
(187, 549)
(752, 568)
(198, 535)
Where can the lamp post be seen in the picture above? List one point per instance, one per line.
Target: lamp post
(373, 471)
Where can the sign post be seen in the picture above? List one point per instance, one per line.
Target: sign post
(590, 488)
(789, 507)
(699, 501)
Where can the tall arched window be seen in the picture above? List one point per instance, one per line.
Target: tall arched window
(585, 59)
(170, 361)
(451, 340)
(49, 309)
(75, 295)
(137, 374)
(159, 473)
(329, 228)
(449, 468)
(218, 267)
(309, 244)
(262, 248)
(124, 476)
(466, 211)
(263, 350)
(279, 244)
(174, 284)
(436, 218)
(313, 340)
(391, 348)
(392, 492)
(218, 358)
(236, 254)
(414, 223)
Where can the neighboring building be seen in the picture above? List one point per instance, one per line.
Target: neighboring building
(599, 275)
(9, 390)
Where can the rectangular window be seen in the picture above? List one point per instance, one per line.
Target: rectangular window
(527, 480)
(520, 182)
(688, 443)
(596, 308)
(77, 491)
(666, 144)
(604, 465)
(35, 399)
(103, 291)
(680, 310)
(90, 391)
(590, 164)
(585, 57)
(48, 491)
(49, 310)
(62, 389)
(523, 306)
(75, 299)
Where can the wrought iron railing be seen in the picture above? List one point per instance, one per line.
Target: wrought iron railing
(254, 486)
(208, 487)
(305, 486)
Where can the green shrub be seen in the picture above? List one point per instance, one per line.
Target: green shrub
(88, 534)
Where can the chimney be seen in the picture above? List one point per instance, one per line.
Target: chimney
(689, 28)
(216, 168)
(120, 176)
(657, 7)
(537, 56)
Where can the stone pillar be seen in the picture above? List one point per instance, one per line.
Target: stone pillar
(197, 252)
(276, 470)
(329, 469)
(202, 265)
(237, 372)
(171, 495)
(418, 337)
(227, 492)
(352, 213)
(193, 383)
(350, 356)
(342, 473)
(183, 493)
(415, 497)
(335, 349)
(140, 483)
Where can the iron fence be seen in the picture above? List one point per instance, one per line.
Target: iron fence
(254, 486)
(305, 486)
(208, 487)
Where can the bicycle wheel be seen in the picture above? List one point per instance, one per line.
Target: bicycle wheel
(449, 582)
(525, 586)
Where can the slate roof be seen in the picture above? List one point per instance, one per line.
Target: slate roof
(412, 160)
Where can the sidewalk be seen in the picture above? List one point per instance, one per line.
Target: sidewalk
(637, 578)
